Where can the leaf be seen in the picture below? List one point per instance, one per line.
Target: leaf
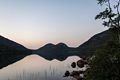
(101, 2)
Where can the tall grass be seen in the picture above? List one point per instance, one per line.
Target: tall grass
(46, 75)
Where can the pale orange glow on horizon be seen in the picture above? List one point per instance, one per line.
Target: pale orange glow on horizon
(37, 23)
(37, 43)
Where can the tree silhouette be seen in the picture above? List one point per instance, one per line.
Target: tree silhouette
(105, 65)
(106, 62)
(111, 15)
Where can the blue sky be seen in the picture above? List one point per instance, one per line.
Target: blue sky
(35, 23)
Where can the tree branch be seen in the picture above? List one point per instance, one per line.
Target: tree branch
(118, 13)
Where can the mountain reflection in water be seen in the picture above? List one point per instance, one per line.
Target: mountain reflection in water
(34, 67)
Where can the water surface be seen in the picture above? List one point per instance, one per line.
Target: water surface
(34, 67)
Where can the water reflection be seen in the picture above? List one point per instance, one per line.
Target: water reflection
(34, 67)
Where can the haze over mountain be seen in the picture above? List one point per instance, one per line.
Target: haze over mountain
(11, 51)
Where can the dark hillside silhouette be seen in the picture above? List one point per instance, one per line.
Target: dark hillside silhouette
(95, 42)
(11, 44)
(61, 51)
(51, 51)
(11, 51)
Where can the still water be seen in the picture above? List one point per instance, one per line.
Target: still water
(34, 67)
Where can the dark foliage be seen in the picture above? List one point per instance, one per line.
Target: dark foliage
(106, 64)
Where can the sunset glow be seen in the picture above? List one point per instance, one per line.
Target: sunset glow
(34, 23)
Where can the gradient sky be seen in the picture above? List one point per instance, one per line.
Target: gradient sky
(34, 23)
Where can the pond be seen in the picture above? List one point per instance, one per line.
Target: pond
(34, 67)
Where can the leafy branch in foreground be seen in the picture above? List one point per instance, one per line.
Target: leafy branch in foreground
(110, 15)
